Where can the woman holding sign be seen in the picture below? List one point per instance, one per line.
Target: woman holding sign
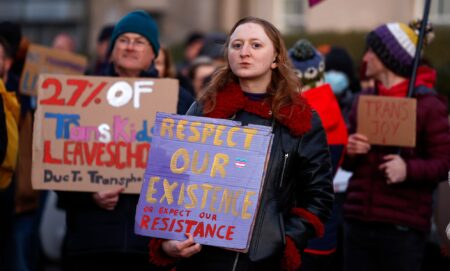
(258, 86)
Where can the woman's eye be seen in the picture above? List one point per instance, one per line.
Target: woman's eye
(256, 45)
(236, 45)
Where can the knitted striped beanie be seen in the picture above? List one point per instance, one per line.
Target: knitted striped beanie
(395, 45)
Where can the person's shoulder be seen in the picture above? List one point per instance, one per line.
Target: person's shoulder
(427, 95)
(195, 109)
(422, 90)
(185, 100)
(431, 105)
(316, 121)
(184, 93)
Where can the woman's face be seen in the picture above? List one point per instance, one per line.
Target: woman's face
(251, 54)
(160, 64)
(201, 73)
(374, 66)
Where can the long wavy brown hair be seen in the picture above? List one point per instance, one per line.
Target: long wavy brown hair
(284, 86)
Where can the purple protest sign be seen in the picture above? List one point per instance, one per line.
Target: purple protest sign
(204, 176)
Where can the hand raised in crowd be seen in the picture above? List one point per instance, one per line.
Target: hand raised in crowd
(108, 199)
(181, 249)
(357, 144)
(394, 168)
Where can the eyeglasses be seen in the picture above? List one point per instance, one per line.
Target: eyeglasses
(138, 44)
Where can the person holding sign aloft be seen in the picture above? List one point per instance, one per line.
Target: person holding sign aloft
(259, 86)
(389, 198)
(100, 226)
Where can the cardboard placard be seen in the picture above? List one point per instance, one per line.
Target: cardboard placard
(94, 133)
(42, 59)
(387, 121)
(204, 177)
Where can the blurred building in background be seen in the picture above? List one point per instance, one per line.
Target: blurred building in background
(43, 19)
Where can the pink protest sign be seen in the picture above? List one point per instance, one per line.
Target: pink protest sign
(93, 133)
(387, 121)
(204, 177)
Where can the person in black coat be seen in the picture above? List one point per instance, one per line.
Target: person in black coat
(259, 86)
(100, 226)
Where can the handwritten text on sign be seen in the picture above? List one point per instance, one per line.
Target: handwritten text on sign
(204, 177)
(42, 59)
(94, 132)
(387, 121)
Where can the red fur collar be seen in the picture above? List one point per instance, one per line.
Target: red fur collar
(231, 99)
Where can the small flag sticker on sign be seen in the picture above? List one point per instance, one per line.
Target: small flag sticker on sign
(240, 162)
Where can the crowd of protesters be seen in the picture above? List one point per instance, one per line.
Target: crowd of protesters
(308, 95)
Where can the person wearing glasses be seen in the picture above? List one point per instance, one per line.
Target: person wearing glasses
(100, 226)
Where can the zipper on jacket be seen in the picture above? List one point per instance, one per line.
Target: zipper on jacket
(235, 261)
(284, 168)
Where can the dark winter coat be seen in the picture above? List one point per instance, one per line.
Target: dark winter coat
(93, 229)
(409, 204)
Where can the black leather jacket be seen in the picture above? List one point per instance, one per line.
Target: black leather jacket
(298, 176)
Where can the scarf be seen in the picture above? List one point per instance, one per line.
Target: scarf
(426, 76)
(231, 99)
